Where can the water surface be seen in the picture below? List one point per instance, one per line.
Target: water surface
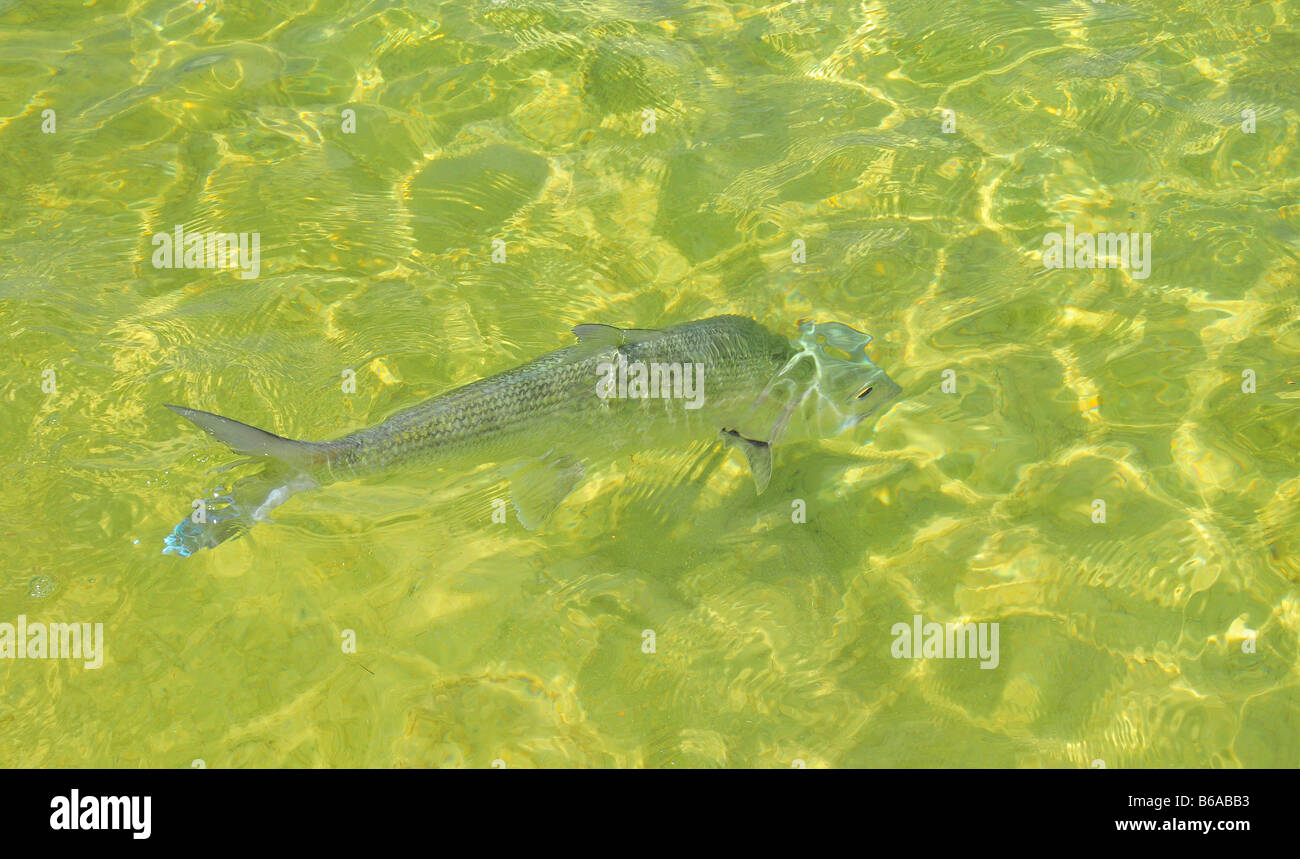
(643, 164)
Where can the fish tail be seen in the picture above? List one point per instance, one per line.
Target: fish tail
(227, 512)
(251, 441)
(230, 511)
(220, 521)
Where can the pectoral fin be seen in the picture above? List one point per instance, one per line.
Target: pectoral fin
(757, 453)
(537, 489)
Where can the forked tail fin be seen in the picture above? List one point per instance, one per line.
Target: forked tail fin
(229, 511)
(251, 441)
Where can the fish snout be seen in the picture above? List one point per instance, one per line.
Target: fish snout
(848, 387)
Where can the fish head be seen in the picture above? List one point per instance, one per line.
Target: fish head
(831, 380)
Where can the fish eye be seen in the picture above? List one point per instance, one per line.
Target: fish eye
(865, 391)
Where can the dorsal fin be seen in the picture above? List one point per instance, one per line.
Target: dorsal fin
(607, 335)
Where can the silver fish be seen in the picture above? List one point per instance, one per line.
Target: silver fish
(614, 392)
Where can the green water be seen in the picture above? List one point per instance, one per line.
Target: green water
(1167, 635)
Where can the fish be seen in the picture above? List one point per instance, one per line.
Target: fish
(614, 392)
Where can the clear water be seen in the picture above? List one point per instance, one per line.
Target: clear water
(1166, 635)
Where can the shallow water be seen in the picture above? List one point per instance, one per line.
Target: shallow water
(1164, 636)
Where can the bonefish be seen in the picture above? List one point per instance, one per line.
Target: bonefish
(614, 392)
